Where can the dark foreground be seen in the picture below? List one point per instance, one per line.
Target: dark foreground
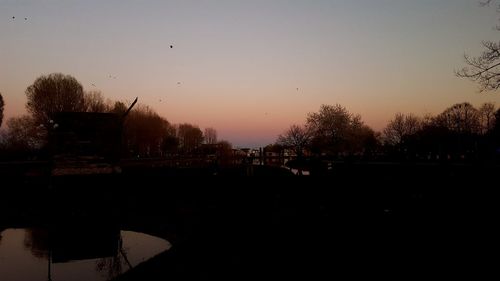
(394, 222)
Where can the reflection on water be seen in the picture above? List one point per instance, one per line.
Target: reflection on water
(38, 254)
(296, 171)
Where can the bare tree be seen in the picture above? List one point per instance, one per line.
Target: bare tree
(400, 128)
(144, 131)
(2, 104)
(94, 102)
(461, 118)
(334, 129)
(364, 140)
(119, 108)
(170, 142)
(485, 68)
(54, 93)
(487, 117)
(487, 2)
(24, 134)
(190, 137)
(296, 137)
(330, 127)
(210, 136)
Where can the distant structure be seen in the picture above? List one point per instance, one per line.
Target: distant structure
(86, 142)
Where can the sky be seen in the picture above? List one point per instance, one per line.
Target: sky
(252, 68)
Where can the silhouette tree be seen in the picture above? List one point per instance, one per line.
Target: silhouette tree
(486, 117)
(401, 127)
(461, 118)
(54, 93)
(334, 130)
(365, 140)
(23, 134)
(296, 137)
(496, 127)
(170, 143)
(94, 102)
(433, 138)
(144, 131)
(485, 68)
(190, 137)
(119, 108)
(210, 136)
(459, 127)
(2, 104)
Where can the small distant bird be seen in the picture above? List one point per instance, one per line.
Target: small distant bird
(25, 18)
(297, 89)
(93, 84)
(178, 83)
(13, 18)
(171, 46)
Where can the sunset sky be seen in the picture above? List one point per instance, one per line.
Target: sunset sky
(239, 63)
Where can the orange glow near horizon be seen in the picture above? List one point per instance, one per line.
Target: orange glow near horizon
(250, 69)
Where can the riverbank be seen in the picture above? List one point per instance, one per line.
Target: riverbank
(384, 220)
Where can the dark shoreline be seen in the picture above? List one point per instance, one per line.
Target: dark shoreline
(383, 220)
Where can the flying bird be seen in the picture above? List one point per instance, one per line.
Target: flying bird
(171, 46)
(93, 84)
(13, 18)
(178, 83)
(25, 18)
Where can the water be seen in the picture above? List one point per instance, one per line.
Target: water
(38, 254)
(296, 171)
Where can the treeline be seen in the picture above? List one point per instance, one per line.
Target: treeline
(145, 132)
(460, 133)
